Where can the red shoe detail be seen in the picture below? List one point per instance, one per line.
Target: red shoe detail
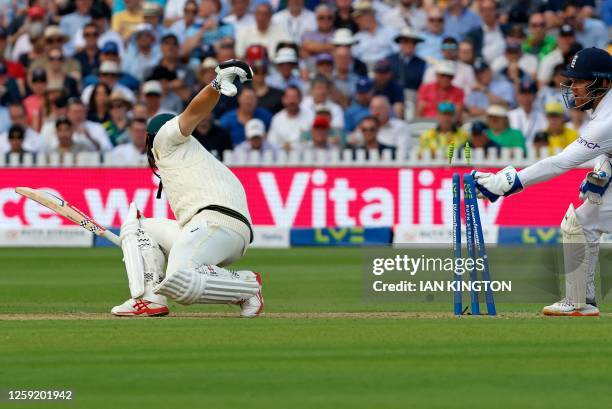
(142, 308)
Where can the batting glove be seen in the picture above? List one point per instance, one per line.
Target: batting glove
(226, 74)
(493, 185)
(596, 182)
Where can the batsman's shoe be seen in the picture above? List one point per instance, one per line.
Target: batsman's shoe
(253, 306)
(566, 308)
(140, 308)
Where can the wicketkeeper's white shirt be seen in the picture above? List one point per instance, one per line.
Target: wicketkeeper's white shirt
(193, 178)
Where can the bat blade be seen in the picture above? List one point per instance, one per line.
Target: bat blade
(70, 212)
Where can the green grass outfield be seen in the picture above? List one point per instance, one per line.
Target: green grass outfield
(319, 346)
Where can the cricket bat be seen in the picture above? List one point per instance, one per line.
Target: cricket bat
(62, 207)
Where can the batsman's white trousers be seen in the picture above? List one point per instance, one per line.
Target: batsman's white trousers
(198, 242)
(595, 220)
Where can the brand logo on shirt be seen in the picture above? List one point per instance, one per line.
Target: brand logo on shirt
(587, 144)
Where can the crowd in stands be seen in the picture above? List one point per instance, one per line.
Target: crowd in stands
(86, 75)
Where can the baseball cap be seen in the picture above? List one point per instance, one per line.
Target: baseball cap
(208, 63)
(162, 73)
(554, 108)
(168, 36)
(324, 58)
(513, 46)
(566, 31)
(39, 75)
(478, 127)
(36, 12)
(364, 84)
(254, 127)
(497, 110)
(446, 67)
(527, 86)
(152, 87)
(589, 63)
(450, 43)
(286, 55)
(321, 121)
(480, 65)
(446, 107)
(143, 28)
(256, 52)
(110, 47)
(383, 65)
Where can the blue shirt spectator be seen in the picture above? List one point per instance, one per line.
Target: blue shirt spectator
(459, 20)
(360, 107)
(430, 49)
(73, 22)
(232, 124)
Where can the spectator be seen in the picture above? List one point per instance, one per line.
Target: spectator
(288, 125)
(268, 97)
(539, 43)
(151, 14)
(479, 137)
(360, 107)
(514, 64)
(372, 39)
(464, 77)
(343, 17)
(117, 124)
(188, 20)
(15, 137)
(86, 133)
(558, 135)
(14, 69)
(144, 55)
(499, 131)
(203, 36)
(466, 52)
(134, 152)
(171, 87)
(430, 48)
(152, 94)
(110, 74)
(488, 90)
(488, 40)
(30, 41)
(55, 39)
(240, 17)
(590, 32)
(408, 68)
(125, 22)
(343, 39)
(56, 74)
(58, 109)
(527, 118)
(406, 14)
(286, 74)
(32, 141)
(567, 47)
(295, 20)
(9, 89)
(343, 78)
(431, 94)
(384, 84)
(224, 49)
(445, 133)
(335, 135)
(35, 103)
(459, 20)
(256, 141)
(319, 95)
(100, 18)
(263, 32)
(321, 130)
(578, 121)
(551, 92)
(89, 56)
(66, 142)
(73, 22)
(110, 52)
(213, 137)
(368, 128)
(170, 61)
(234, 121)
(99, 103)
(391, 131)
(319, 41)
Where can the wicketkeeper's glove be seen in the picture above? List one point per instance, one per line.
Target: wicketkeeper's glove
(596, 182)
(493, 185)
(226, 74)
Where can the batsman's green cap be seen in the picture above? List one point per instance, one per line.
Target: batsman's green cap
(157, 122)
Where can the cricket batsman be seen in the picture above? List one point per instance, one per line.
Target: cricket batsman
(589, 77)
(183, 259)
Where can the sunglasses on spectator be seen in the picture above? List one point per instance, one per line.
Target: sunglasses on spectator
(16, 136)
(55, 40)
(325, 17)
(226, 46)
(436, 19)
(56, 58)
(365, 129)
(449, 46)
(90, 34)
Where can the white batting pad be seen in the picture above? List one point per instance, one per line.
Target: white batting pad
(133, 265)
(208, 285)
(575, 257)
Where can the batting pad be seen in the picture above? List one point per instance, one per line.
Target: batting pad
(208, 285)
(576, 258)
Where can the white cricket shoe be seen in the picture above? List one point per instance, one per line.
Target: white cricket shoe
(140, 308)
(566, 308)
(252, 307)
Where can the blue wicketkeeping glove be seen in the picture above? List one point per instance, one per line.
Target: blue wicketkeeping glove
(493, 185)
(596, 182)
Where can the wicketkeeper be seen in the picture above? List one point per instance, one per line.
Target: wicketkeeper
(183, 259)
(589, 78)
